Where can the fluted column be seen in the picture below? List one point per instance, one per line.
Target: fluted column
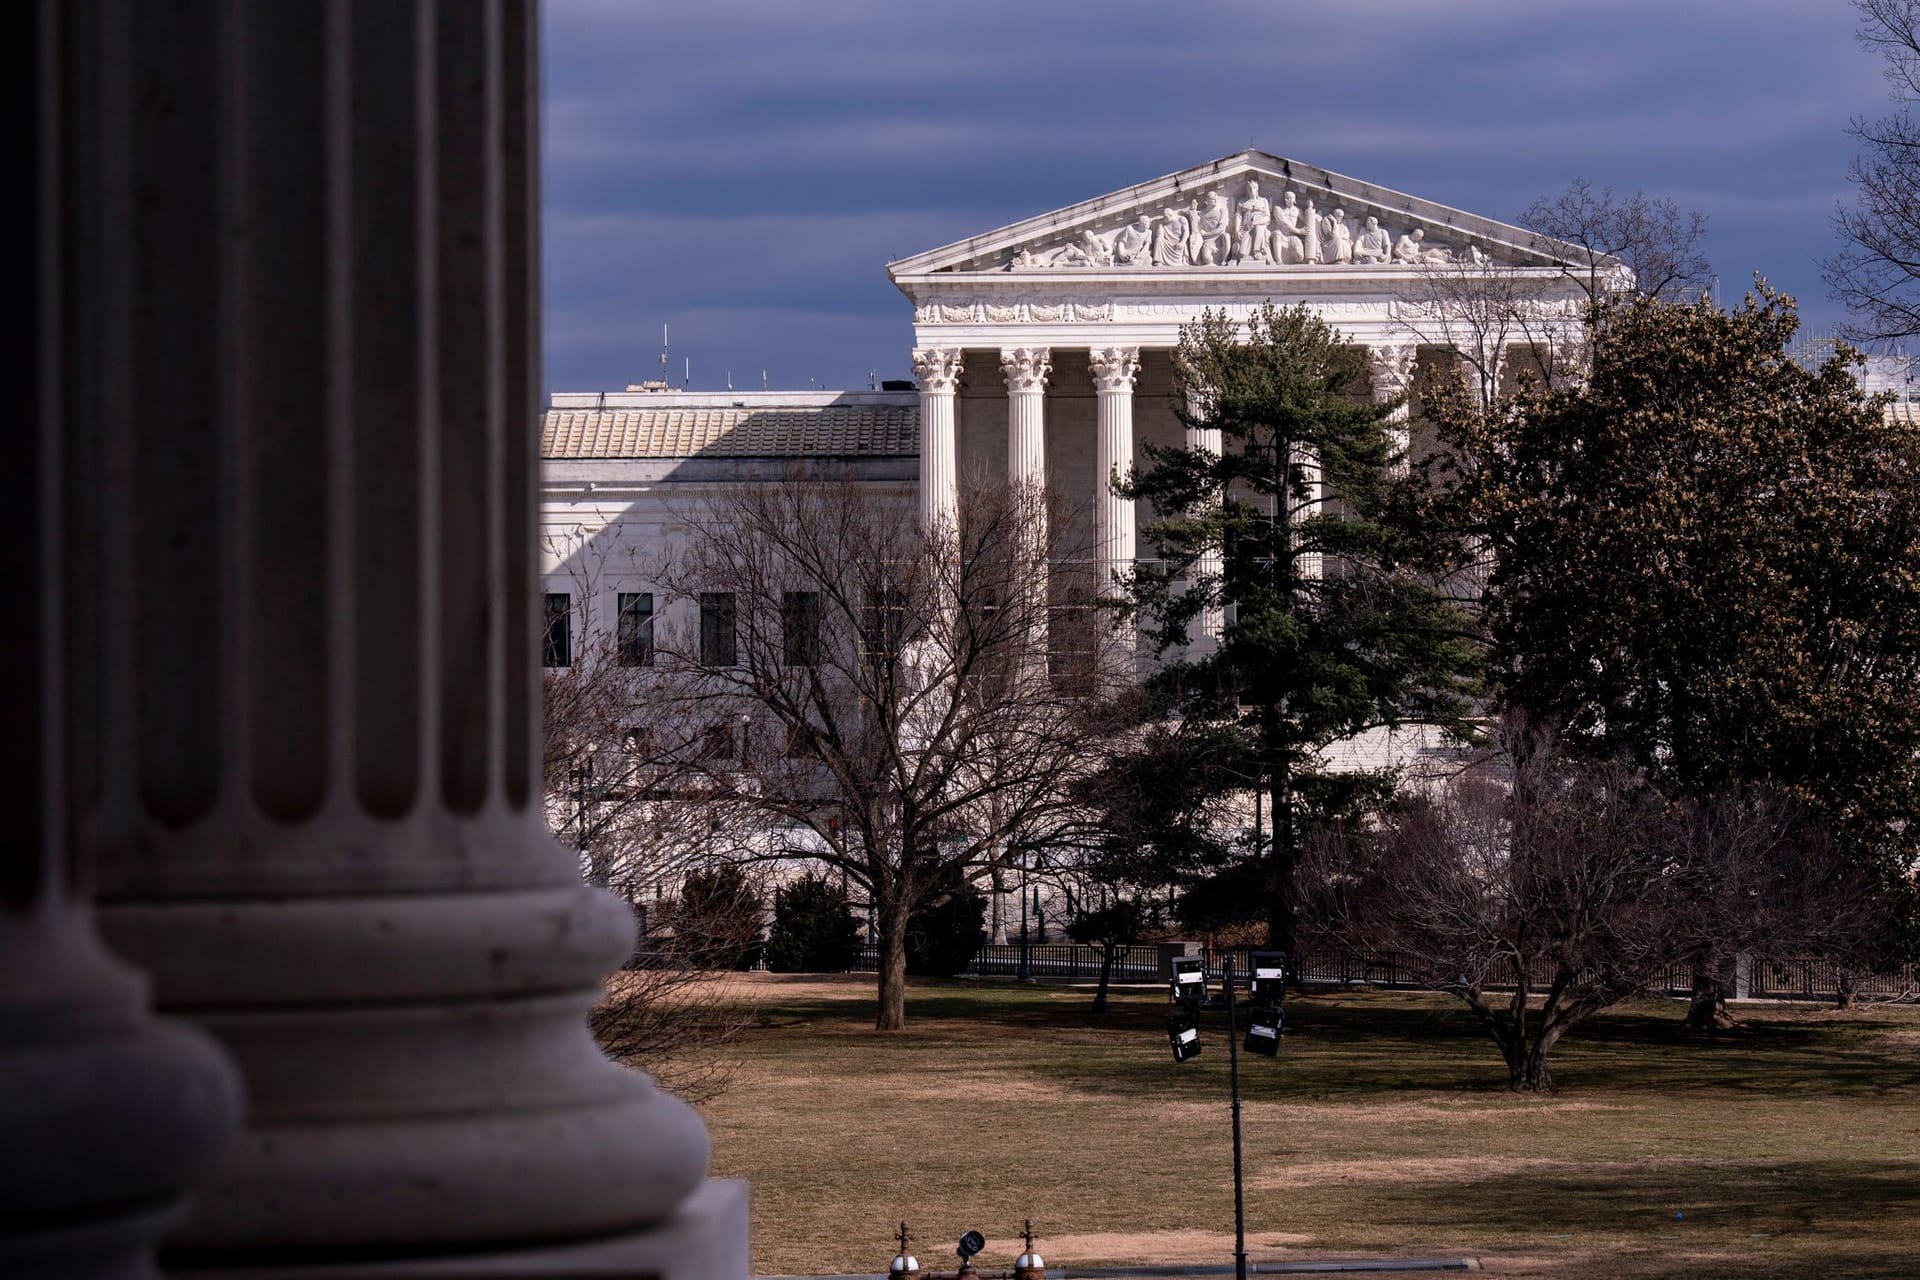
(1392, 368)
(106, 1114)
(1201, 438)
(1026, 370)
(1114, 369)
(937, 369)
(310, 644)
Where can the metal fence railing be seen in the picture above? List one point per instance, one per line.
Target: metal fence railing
(1761, 977)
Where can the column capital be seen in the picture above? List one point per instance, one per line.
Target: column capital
(1392, 368)
(937, 368)
(1113, 368)
(1026, 368)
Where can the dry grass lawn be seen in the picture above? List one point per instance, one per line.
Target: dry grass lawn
(1791, 1145)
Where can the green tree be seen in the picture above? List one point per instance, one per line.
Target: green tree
(1707, 560)
(1294, 525)
(813, 928)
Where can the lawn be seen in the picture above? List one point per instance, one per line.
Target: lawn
(1791, 1145)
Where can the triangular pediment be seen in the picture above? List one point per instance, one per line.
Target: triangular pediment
(1249, 211)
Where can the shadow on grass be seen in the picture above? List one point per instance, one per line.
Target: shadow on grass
(1345, 1042)
(1837, 1216)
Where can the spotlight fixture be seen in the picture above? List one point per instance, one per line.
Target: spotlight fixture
(1269, 976)
(1183, 1033)
(1189, 986)
(1264, 1029)
(970, 1243)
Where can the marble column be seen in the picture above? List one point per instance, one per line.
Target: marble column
(1201, 438)
(1392, 366)
(1026, 370)
(937, 369)
(308, 645)
(1114, 369)
(107, 1114)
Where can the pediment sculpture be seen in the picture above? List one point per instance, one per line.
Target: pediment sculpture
(1215, 229)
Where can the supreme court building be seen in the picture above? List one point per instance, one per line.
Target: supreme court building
(1042, 352)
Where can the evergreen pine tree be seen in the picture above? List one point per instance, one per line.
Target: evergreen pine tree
(1293, 531)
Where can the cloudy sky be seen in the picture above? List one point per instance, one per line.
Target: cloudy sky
(743, 170)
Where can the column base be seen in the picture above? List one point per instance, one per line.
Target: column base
(704, 1239)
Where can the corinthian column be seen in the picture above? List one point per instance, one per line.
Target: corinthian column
(1392, 368)
(1113, 369)
(309, 651)
(1204, 439)
(937, 369)
(106, 1113)
(1026, 370)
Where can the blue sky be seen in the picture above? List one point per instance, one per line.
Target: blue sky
(744, 169)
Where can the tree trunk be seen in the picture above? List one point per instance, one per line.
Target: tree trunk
(1531, 1075)
(1280, 867)
(892, 1015)
(1848, 988)
(1707, 1007)
(1106, 972)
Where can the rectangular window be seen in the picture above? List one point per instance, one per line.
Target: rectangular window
(886, 625)
(635, 629)
(717, 640)
(557, 649)
(800, 628)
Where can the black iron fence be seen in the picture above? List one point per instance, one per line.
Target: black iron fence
(1758, 977)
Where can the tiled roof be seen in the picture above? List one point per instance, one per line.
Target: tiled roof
(834, 431)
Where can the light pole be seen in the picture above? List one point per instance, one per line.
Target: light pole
(1188, 993)
(1025, 972)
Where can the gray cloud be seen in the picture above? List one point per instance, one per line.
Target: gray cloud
(745, 168)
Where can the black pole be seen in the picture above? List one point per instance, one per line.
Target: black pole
(1025, 971)
(1233, 1085)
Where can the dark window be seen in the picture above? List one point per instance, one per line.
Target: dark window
(717, 643)
(636, 629)
(886, 629)
(557, 650)
(800, 628)
(717, 742)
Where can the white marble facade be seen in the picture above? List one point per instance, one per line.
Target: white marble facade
(1044, 347)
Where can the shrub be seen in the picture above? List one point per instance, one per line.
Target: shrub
(813, 928)
(718, 921)
(945, 933)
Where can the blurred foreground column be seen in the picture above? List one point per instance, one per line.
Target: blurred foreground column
(303, 496)
(106, 1114)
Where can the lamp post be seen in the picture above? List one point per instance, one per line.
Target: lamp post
(1187, 994)
(1025, 972)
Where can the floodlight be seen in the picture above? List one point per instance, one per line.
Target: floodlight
(1269, 976)
(970, 1243)
(1183, 1033)
(1265, 1026)
(1189, 984)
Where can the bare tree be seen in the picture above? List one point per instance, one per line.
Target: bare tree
(906, 704)
(624, 789)
(1656, 240)
(1537, 891)
(1876, 273)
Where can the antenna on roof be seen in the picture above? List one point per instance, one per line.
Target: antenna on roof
(729, 379)
(872, 384)
(763, 379)
(686, 378)
(663, 353)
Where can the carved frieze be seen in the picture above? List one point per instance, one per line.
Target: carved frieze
(1235, 223)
